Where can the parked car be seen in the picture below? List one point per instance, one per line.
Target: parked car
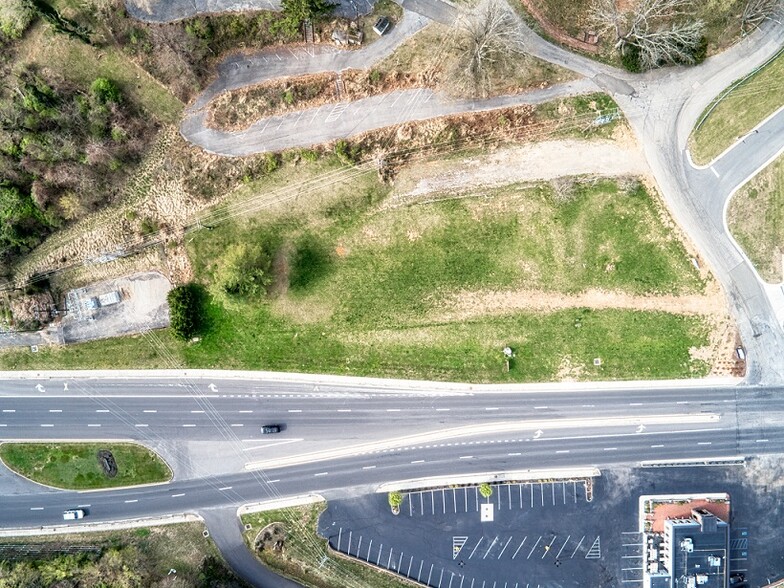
(73, 514)
(382, 25)
(269, 429)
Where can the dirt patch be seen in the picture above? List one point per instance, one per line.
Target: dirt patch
(547, 160)
(569, 372)
(558, 34)
(465, 305)
(281, 270)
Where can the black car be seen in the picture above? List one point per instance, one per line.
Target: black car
(269, 429)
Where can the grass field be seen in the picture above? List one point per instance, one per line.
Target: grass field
(365, 291)
(75, 466)
(738, 112)
(756, 220)
(83, 63)
(135, 557)
(307, 558)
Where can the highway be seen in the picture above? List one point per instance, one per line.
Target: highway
(209, 437)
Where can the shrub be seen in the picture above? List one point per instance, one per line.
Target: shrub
(243, 271)
(486, 490)
(395, 499)
(15, 17)
(630, 59)
(347, 153)
(105, 90)
(185, 310)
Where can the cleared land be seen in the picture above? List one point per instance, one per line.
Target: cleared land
(359, 288)
(747, 105)
(139, 557)
(306, 557)
(756, 220)
(75, 466)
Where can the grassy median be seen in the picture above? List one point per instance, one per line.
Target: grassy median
(756, 220)
(75, 466)
(746, 105)
(305, 556)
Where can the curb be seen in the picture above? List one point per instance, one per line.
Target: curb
(95, 527)
(279, 503)
(383, 384)
(473, 479)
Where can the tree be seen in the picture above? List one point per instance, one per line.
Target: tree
(185, 310)
(656, 32)
(243, 271)
(486, 490)
(22, 224)
(295, 12)
(755, 12)
(488, 38)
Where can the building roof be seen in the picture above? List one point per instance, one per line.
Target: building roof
(700, 550)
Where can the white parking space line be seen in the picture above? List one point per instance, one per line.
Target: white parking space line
(504, 548)
(578, 547)
(562, 547)
(491, 547)
(475, 547)
(548, 547)
(530, 553)
(520, 547)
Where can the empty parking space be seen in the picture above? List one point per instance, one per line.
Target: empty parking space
(505, 497)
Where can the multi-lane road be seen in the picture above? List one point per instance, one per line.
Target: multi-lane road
(350, 435)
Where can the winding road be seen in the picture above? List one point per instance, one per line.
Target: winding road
(346, 436)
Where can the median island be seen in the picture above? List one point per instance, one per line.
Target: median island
(85, 466)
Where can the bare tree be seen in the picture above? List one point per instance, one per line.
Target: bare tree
(488, 38)
(660, 31)
(755, 12)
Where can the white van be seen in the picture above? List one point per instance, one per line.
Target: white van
(72, 515)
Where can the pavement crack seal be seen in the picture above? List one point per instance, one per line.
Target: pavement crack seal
(483, 429)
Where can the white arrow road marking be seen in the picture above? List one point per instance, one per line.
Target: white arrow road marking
(213, 388)
(538, 434)
(40, 388)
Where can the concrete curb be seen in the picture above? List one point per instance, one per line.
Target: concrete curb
(95, 527)
(505, 476)
(279, 503)
(382, 384)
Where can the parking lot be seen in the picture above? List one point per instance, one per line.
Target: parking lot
(440, 540)
(518, 496)
(542, 535)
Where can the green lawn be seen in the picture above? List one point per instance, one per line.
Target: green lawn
(748, 104)
(367, 291)
(75, 466)
(306, 556)
(756, 220)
